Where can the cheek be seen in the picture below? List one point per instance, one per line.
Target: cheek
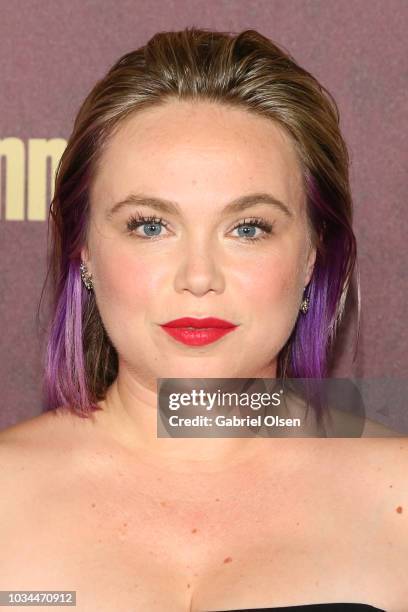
(124, 285)
(274, 282)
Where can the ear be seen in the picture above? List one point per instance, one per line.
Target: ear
(85, 257)
(310, 264)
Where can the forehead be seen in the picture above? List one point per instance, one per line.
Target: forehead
(198, 151)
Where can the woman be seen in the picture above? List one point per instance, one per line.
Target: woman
(206, 176)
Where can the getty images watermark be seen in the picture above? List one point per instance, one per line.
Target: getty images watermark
(259, 407)
(210, 402)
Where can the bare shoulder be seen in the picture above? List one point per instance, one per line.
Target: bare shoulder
(35, 434)
(367, 479)
(388, 460)
(53, 449)
(377, 429)
(349, 425)
(45, 431)
(23, 447)
(376, 497)
(37, 451)
(381, 469)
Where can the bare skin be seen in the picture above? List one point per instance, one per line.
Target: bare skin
(288, 523)
(135, 522)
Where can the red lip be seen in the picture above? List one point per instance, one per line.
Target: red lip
(205, 330)
(200, 323)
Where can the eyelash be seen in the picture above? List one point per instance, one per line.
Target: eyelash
(139, 220)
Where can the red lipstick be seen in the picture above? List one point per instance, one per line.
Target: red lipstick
(198, 332)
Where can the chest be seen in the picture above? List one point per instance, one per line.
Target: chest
(153, 546)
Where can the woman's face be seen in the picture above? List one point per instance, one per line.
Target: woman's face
(198, 158)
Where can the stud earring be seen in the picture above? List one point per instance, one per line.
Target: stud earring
(86, 277)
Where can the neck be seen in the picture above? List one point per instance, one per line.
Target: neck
(130, 416)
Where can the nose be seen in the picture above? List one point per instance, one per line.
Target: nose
(199, 269)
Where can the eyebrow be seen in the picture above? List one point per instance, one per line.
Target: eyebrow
(168, 207)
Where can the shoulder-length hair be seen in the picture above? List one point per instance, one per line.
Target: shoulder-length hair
(245, 70)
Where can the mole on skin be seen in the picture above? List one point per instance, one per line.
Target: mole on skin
(227, 560)
(399, 509)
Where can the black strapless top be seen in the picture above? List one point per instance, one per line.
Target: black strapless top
(324, 607)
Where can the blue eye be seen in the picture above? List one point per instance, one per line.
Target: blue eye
(152, 225)
(247, 229)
